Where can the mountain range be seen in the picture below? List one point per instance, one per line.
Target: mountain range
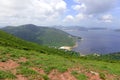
(42, 35)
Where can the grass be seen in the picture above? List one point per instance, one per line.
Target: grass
(48, 62)
(26, 71)
(6, 74)
(29, 73)
(45, 77)
(79, 76)
(111, 68)
(3, 59)
(102, 76)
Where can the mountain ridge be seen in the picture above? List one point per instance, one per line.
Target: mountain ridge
(42, 35)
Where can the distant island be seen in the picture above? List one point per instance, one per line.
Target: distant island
(97, 28)
(117, 30)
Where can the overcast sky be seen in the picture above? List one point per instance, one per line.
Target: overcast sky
(89, 13)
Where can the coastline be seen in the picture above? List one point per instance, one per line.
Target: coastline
(69, 48)
(76, 45)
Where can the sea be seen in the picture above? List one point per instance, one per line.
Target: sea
(97, 41)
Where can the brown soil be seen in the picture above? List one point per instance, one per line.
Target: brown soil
(11, 66)
(112, 77)
(55, 75)
(8, 65)
(39, 70)
(93, 75)
(22, 59)
(21, 77)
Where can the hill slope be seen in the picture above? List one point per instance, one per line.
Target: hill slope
(18, 64)
(11, 41)
(8, 40)
(42, 35)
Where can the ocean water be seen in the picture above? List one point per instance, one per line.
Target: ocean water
(97, 41)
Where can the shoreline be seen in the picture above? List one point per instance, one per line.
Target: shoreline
(76, 45)
(69, 48)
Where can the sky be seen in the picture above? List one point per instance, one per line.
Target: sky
(88, 13)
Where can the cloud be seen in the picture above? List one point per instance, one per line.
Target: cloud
(89, 11)
(68, 18)
(80, 16)
(97, 6)
(31, 11)
(81, 7)
(106, 18)
(74, 19)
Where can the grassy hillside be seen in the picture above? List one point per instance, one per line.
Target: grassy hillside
(11, 41)
(42, 35)
(8, 40)
(18, 64)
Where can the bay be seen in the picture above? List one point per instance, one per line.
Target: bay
(97, 41)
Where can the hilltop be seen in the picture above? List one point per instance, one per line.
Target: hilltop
(22, 60)
(42, 35)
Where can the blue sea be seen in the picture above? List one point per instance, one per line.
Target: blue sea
(97, 41)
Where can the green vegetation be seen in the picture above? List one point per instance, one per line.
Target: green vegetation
(102, 76)
(14, 42)
(112, 58)
(42, 35)
(45, 77)
(11, 41)
(26, 71)
(4, 75)
(79, 76)
(49, 62)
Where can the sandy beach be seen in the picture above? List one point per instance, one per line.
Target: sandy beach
(69, 48)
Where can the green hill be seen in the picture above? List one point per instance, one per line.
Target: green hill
(11, 41)
(8, 40)
(42, 35)
(22, 60)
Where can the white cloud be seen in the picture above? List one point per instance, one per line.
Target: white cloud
(31, 11)
(69, 18)
(74, 19)
(106, 18)
(81, 7)
(97, 6)
(90, 10)
(80, 16)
